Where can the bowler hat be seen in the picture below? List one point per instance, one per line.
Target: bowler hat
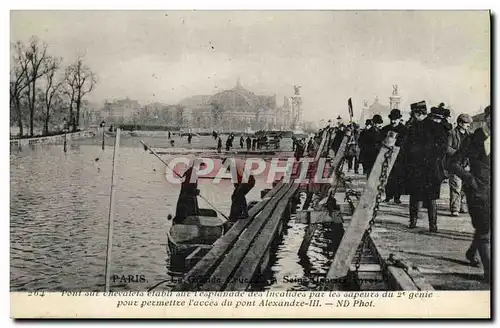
(339, 118)
(436, 112)
(377, 119)
(395, 114)
(368, 122)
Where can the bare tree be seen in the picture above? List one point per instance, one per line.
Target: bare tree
(80, 80)
(18, 82)
(52, 87)
(69, 91)
(36, 53)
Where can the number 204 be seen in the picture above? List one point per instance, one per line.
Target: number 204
(37, 293)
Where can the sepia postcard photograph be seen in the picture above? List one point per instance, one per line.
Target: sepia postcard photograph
(250, 163)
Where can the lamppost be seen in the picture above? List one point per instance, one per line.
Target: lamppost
(102, 126)
(65, 129)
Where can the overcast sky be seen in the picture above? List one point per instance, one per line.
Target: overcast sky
(167, 55)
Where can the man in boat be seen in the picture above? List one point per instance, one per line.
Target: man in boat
(239, 207)
(187, 204)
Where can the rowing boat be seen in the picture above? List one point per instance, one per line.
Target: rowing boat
(190, 240)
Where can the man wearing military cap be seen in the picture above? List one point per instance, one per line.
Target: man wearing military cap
(395, 183)
(455, 140)
(425, 149)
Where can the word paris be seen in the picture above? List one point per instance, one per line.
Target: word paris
(239, 170)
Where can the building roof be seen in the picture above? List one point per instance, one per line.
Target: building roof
(196, 101)
(237, 98)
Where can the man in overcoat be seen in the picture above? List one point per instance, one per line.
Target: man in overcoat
(361, 143)
(395, 183)
(425, 148)
(371, 143)
(477, 149)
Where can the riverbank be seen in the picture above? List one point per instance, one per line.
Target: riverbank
(52, 139)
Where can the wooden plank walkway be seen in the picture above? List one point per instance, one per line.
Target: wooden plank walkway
(239, 257)
(435, 259)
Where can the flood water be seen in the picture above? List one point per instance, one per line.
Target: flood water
(59, 207)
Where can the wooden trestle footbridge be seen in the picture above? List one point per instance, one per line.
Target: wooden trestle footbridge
(375, 251)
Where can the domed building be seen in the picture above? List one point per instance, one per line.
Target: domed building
(236, 109)
(375, 108)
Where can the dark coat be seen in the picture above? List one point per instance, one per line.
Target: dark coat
(397, 176)
(370, 143)
(339, 136)
(477, 181)
(187, 204)
(352, 148)
(239, 207)
(425, 149)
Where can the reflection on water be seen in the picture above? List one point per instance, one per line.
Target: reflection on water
(59, 215)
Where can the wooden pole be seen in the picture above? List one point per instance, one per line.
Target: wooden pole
(111, 213)
(103, 137)
(65, 142)
(362, 215)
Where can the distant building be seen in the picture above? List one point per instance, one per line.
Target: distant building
(375, 108)
(120, 110)
(236, 109)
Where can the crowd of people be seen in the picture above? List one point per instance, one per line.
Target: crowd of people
(249, 143)
(432, 150)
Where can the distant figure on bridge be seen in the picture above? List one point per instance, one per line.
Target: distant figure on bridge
(249, 143)
(299, 151)
(352, 149)
(219, 145)
(169, 135)
(228, 143)
(172, 142)
(294, 142)
(371, 143)
(190, 136)
(214, 135)
(242, 141)
(254, 144)
(340, 130)
(362, 141)
(310, 145)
